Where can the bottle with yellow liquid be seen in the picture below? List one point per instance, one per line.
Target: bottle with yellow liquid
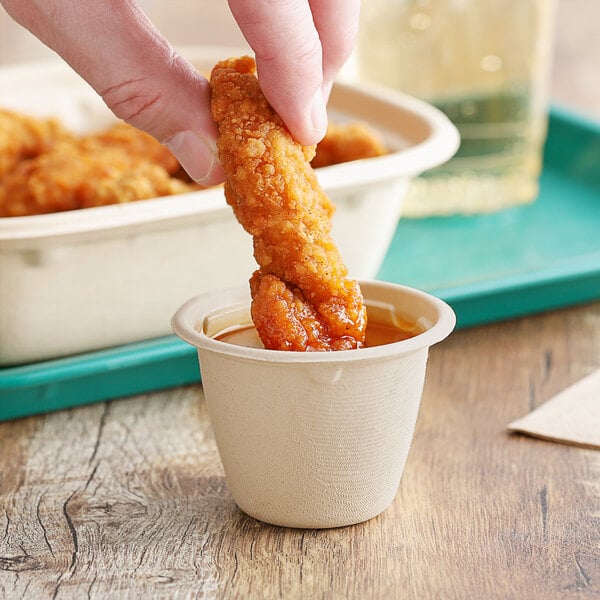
(485, 63)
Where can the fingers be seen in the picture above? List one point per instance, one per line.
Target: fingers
(337, 24)
(300, 45)
(143, 81)
(289, 61)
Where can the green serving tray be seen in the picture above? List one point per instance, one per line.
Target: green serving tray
(492, 267)
(521, 260)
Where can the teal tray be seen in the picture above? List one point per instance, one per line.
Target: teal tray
(515, 262)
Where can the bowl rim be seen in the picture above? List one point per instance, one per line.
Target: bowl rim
(185, 323)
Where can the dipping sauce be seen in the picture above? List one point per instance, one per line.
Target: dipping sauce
(377, 334)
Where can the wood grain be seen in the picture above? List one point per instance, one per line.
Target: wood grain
(127, 499)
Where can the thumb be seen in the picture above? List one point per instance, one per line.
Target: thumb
(119, 52)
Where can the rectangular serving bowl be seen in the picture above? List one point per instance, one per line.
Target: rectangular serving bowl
(95, 278)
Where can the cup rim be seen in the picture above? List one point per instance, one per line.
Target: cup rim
(186, 319)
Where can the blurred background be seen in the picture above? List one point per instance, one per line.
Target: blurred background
(575, 77)
(575, 73)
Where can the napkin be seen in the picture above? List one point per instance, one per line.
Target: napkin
(571, 417)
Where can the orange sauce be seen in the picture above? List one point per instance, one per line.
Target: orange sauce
(378, 334)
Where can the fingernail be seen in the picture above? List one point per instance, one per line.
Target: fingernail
(318, 114)
(197, 155)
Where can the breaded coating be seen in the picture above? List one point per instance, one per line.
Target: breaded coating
(74, 176)
(136, 143)
(23, 137)
(346, 142)
(120, 164)
(301, 297)
(45, 168)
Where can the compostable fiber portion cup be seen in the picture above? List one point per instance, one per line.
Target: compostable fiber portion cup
(314, 439)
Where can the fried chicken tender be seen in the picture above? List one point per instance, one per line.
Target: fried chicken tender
(136, 143)
(302, 299)
(23, 137)
(82, 175)
(60, 172)
(347, 142)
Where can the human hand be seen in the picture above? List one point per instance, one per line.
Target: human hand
(299, 46)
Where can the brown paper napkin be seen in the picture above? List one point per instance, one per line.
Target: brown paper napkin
(571, 417)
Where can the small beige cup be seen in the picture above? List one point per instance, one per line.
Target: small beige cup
(314, 439)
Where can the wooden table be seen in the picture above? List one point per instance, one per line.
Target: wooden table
(129, 496)
(126, 499)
